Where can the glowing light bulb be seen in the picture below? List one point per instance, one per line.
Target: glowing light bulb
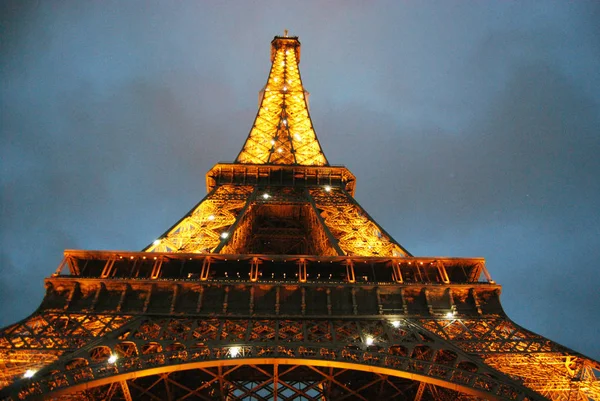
(285, 88)
(156, 242)
(234, 351)
(29, 373)
(272, 142)
(266, 196)
(327, 188)
(297, 137)
(279, 150)
(369, 340)
(112, 358)
(224, 234)
(211, 217)
(450, 315)
(395, 323)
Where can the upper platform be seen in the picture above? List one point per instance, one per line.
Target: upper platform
(282, 132)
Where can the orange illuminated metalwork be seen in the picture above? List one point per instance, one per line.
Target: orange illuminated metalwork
(283, 132)
(279, 286)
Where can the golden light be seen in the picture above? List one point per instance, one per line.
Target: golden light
(266, 196)
(327, 188)
(234, 351)
(156, 242)
(112, 358)
(211, 217)
(395, 323)
(29, 373)
(224, 234)
(369, 340)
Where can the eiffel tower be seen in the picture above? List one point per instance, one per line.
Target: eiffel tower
(278, 285)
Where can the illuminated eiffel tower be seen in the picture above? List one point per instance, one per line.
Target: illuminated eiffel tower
(279, 286)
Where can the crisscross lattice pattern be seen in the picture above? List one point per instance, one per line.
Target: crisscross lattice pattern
(206, 225)
(282, 132)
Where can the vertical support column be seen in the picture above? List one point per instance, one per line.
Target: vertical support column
(429, 306)
(200, 299)
(354, 304)
(156, 268)
(302, 270)
(452, 304)
(475, 300)
(350, 271)
(397, 272)
(251, 308)
(254, 269)
(97, 296)
(225, 299)
(148, 297)
(71, 296)
(277, 295)
(303, 305)
(404, 304)
(442, 271)
(122, 299)
(174, 300)
(379, 304)
(328, 292)
(205, 272)
(275, 380)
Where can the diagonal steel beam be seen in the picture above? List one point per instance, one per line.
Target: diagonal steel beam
(125, 390)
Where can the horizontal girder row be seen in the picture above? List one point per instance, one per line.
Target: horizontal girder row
(280, 175)
(271, 268)
(543, 365)
(245, 298)
(143, 346)
(289, 329)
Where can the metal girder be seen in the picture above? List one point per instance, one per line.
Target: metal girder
(148, 345)
(353, 229)
(205, 227)
(125, 390)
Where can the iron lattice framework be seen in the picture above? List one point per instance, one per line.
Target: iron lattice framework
(278, 285)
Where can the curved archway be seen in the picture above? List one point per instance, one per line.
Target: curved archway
(326, 365)
(288, 363)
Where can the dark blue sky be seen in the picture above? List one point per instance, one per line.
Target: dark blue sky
(472, 127)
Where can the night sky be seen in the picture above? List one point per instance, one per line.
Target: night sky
(472, 128)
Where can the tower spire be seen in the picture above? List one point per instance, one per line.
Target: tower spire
(282, 132)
